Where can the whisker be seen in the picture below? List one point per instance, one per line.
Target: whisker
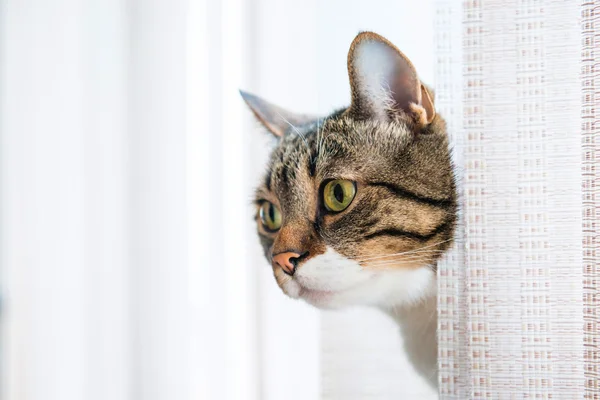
(395, 267)
(405, 252)
(397, 264)
(424, 256)
(322, 141)
(398, 261)
(318, 152)
(318, 141)
(392, 269)
(411, 252)
(392, 266)
(295, 130)
(402, 255)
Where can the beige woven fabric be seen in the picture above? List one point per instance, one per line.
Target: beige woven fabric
(523, 276)
(590, 13)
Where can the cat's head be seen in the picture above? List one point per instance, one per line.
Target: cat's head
(357, 207)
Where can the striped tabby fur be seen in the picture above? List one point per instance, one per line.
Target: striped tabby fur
(383, 248)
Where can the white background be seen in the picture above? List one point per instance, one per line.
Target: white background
(130, 269)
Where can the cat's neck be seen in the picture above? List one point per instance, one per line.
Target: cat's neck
(418, 324)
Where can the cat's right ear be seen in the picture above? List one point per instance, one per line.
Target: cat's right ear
(384, 82)
(276, 119)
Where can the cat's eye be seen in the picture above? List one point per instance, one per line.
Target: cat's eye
(338, 194)
(270, 216)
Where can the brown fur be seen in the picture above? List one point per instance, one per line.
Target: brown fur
(406, 196)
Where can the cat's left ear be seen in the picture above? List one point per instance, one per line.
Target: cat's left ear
(384, 82)
(276, 119)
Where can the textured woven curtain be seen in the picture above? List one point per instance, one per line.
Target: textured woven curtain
(519, 302)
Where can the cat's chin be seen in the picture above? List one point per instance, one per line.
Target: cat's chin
(317, 298)
(384, 291)
(331, 299)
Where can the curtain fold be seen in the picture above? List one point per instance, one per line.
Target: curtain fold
(518, 295)
(92, 200)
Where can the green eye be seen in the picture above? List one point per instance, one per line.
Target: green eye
(338, 194)
(270, 216)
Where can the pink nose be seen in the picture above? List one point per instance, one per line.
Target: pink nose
(287, 261)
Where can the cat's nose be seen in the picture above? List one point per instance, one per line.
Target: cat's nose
(288, 261)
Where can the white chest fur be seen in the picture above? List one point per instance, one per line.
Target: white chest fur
(332, 281)
(418, 325)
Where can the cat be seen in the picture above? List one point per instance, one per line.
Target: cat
(356, 208)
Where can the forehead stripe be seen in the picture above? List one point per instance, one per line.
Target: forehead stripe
(283, 175)
(312, 165)
(268, 179)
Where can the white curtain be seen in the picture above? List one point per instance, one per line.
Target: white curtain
(518, 296)
(93, 200)
(129, 264)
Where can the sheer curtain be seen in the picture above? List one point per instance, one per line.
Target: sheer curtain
(518, 298)
(130, 266)
(93, 237)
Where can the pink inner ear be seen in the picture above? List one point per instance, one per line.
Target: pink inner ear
(427, 103)
(406, 89)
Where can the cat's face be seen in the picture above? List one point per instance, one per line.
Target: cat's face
(357, 207)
